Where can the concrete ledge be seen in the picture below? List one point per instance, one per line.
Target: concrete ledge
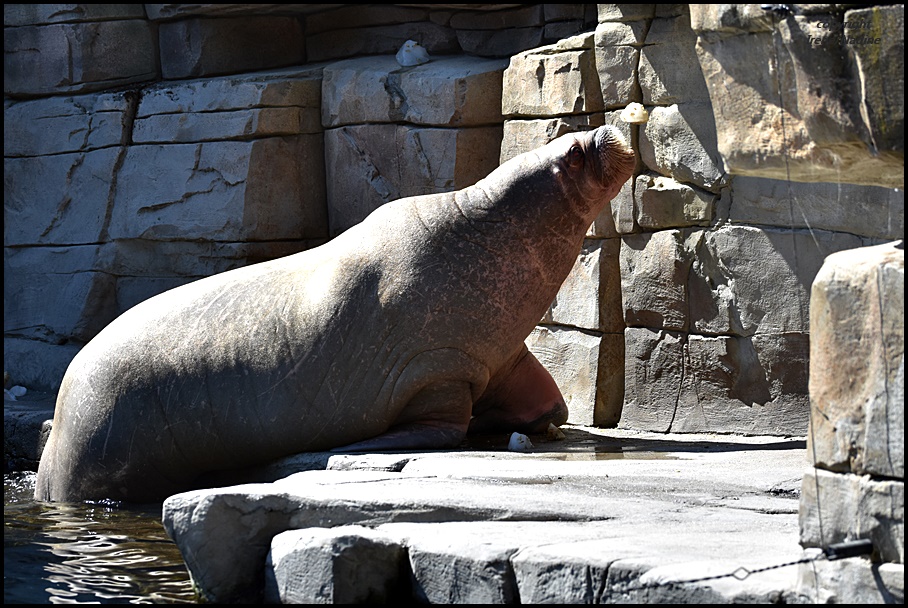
(606, 515)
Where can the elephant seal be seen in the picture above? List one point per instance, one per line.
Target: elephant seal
(404, 332)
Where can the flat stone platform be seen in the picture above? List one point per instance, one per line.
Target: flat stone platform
(603, 516)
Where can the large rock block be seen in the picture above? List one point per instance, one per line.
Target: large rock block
(679, 141)
(857, 352)
(837, 507)
(454, 92)
(56, 293)
(617, 59)
(661, 202)
(17, 15)
(876, 38)
(502, 33)
(264, 104)
(791, 101)
(698, 384)
(58, 199)
(587, 367)
(343, 565)
(203, 47)
(555, 80)
(669, 72)
(745, 280)
(57, 125)
(370, 165)
(77, 57)
(451, 570)
(654, 276)
(590, 297)
(868, 211)
(854, 580)
(264, 189)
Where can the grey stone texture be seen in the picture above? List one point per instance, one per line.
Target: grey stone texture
(191, 48)
(603, 516)
(25, 429)
(340, 565)
(393, 132)
(59, 58)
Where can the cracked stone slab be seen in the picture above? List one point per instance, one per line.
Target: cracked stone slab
(459, 91)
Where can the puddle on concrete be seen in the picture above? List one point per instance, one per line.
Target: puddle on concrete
(608, 454)
(599, 448)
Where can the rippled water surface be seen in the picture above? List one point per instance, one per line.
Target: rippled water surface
(64, 553)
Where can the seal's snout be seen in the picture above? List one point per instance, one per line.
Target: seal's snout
(617, 158)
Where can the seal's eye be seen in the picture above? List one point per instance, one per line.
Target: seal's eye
(575, 155)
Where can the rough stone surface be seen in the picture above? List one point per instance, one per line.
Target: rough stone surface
(341, 565)
(837, 507)
(868, 211)
(857, 352)
(456, 569)
(590, 297)
(205, 47)
(854, 580)
(670, 43)
(240, 107)
(57, 125)
(446, 92)
(654, 275)
(661, 202)
(879, 63)
(77, 57)
(543, 523)
(554, 80)
(679, 141)
(791, 102)
(675, 382)
(617, 58)
(16, 15)
(259, 190)
(345, 42)
(747, 280)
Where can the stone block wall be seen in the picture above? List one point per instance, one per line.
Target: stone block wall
(391, 133)
(703, 322)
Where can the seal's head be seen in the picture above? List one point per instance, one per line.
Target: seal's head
(597, 163)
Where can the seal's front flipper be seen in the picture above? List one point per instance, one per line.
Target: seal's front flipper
(407, 437)
(522, 397)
